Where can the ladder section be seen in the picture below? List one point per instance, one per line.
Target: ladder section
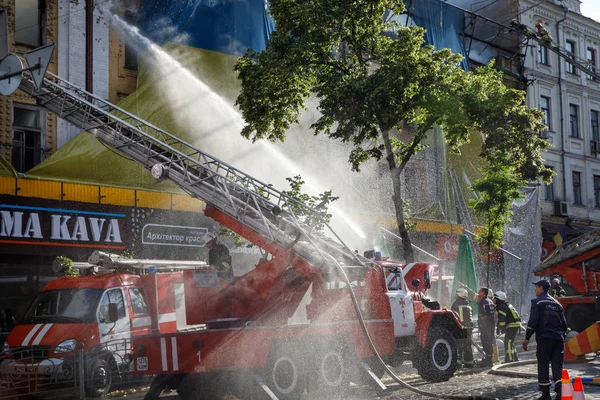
(464, 214)
(573, 251)
(251, 202)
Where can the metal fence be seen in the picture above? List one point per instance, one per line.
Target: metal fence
(33, 371)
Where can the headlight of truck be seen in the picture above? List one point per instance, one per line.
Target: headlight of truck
(5, 349)
(66, 347)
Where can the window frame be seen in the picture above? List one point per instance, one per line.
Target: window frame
(595, 127)
(543, 56)
(39, 152)
(574, 131)
(569, 67)
(547, 111)
(41, 11)
(577, 198)
(591, 60)
(596, 191)
(139, 294)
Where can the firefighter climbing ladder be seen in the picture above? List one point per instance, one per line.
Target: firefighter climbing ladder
(252, 203)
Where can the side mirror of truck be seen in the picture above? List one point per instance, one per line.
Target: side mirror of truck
(113, 312)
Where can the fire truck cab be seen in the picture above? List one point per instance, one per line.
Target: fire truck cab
(94, 317)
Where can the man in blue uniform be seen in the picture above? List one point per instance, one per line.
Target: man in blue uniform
(547, 321)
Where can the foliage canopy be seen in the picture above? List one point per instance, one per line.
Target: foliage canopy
(374, 80)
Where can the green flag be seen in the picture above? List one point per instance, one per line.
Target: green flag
(465, 268)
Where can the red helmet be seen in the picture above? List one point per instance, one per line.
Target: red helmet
(539, 25)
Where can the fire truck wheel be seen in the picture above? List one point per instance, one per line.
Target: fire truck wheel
(98, 378)
(437, 361)
(286, 375)
(580, 316)
(332, 373)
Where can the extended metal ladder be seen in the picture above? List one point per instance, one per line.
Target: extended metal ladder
(464, 215)
(249, 201)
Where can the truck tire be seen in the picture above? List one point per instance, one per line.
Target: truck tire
(99, 377)
(285, 374)
(334, 368)
(437, 361)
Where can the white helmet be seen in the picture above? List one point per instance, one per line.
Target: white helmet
(500, 295)
(462, 293)
(555, 280)
(208, 237)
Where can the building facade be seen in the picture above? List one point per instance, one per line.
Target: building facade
(89, 54)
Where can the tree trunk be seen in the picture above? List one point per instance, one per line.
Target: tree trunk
(395, 172)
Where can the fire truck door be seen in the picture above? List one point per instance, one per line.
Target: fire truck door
(114, 335)
(401, 304)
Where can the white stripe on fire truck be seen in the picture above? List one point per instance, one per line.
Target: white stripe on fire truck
(163, 353)
(174, 355)
(167, 317)
(30, 335)
(41, 335)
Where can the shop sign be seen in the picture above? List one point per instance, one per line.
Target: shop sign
(447, 247)
(173, 235)
(46, 225)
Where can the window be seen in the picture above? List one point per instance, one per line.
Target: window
(545, 108)
(597, 191)
(27, 146)
(595, 131)
(131, 57)
(543, 55)
(591, 60)
(550, 189)
(573, 120)
(28, 22)
(577, 188)
(114, 296)
(138, 303)
(570, 49)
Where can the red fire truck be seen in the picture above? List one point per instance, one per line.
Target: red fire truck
(292, 321)
(98, 313)
(577, 263)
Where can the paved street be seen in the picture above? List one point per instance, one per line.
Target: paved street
(517, 383)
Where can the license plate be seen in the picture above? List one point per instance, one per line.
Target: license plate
(142, 363)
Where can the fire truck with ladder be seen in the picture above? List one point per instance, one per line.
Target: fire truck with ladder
(578, 263)
(309, 317)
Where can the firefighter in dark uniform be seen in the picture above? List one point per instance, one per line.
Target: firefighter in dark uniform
(219, 257)
(509, 323)
(547, 321)
(556, 290)
(462, 307)
(485, 320)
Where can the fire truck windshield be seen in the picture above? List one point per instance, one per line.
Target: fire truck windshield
(64, 305)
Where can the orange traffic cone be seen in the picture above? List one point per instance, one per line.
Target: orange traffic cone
(578, 389)
(566, 386)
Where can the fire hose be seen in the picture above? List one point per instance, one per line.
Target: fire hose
(372, 345)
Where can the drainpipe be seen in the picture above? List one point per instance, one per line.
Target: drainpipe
(560, 101)
(89, 45)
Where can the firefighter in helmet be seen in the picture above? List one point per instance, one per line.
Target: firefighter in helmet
(219, 257)
(556, 290)
(509, 323)
(462, 307)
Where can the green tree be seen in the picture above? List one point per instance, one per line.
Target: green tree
(379, 89)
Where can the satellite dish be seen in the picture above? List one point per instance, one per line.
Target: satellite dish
(10, 64)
